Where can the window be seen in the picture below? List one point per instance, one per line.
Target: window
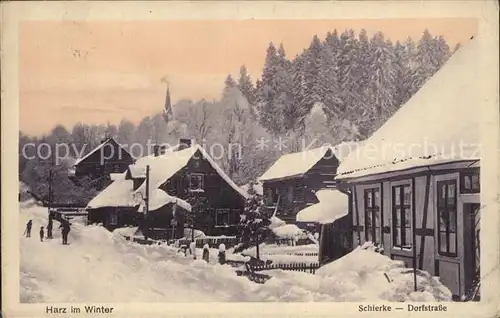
(113, 218)
(290, 194)
(284, 193)
(197, 163)
(299, 192)
(470, 183)
(196, 181)
(269, 196)
(401, 216)
(272, 196)
(372, 215)
(447, 211)
(221, 217)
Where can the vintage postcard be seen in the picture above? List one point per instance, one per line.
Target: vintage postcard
(250, 159)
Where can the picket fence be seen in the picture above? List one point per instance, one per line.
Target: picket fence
(212, 242)
(292, 253)
(296, 267)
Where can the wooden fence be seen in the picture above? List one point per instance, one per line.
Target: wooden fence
(288, 241)
(214, 242)
(292, 253)
(296, 267)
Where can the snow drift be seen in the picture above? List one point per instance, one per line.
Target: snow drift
(100, 266)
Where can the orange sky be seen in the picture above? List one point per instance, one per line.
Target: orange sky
(96, 72)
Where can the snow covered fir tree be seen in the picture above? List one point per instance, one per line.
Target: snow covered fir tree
(254, 223)
(261, 185)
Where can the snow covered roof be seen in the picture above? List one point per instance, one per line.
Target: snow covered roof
(117, 194)
(159, 198)
(332, 205)
(138, 169)
(165, 166)
(120, 193)
(107, 141)
(297, 164)
(439, 124)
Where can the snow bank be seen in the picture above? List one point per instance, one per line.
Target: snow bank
(100, 266)
(332, 205)
(289, 231)
(276, 222)
(364, 270)
(127, 231)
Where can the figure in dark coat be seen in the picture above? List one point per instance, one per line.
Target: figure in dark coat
(49, 229)
(41, 234)
(65, 225)
(28, 228)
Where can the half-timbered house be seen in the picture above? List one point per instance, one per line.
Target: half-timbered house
(414, 184)
(175, 177)
(109, 157)
(289, 185)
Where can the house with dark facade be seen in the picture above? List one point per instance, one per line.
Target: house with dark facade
(169, 181)
(414, 186)
(289, 185)
(109, 157)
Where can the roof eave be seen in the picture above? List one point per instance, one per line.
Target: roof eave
(387, 174)
(286, 178)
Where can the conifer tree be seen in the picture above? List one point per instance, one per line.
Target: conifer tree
(425, 59)
(247, 89)
(297, 109)
(254, 223)
(269, 114)
(284, 92)
(382, 78)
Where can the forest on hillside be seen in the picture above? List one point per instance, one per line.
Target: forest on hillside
(341, 88)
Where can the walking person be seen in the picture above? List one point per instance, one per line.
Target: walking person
(28, 228)
(65, 225)
(41, 234)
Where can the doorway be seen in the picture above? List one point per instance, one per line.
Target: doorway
(472, 250)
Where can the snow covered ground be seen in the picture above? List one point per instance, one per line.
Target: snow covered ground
(99, 266)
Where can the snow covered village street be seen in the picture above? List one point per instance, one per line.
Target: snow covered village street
(245, 165)
(101, 266)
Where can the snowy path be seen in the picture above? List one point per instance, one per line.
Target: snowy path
(99, 266)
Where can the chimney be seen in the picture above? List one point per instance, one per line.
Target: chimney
(184, 143)
(156, 150)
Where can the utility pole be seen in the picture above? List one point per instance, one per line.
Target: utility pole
(50, 197)
(146, 202)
